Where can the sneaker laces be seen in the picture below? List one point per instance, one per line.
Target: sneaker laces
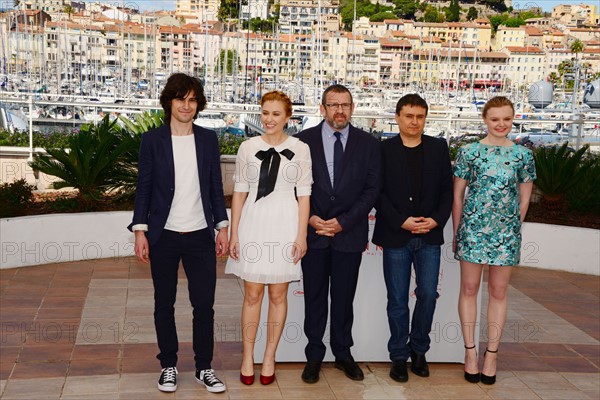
(209, 375)
(169, 374)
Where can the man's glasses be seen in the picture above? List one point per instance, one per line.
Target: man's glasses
(335, 106)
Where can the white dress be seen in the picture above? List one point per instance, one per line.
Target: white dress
(268, 226)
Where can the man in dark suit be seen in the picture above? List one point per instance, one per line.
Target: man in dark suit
(179, 203)
(346, 174)
(414, 206)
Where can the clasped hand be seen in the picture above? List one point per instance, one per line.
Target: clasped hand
(325, 228)
(419, 225)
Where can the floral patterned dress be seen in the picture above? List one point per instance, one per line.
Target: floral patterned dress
(489, 231)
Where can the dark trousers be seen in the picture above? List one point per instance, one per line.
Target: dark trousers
(196, 250)
(329, 273)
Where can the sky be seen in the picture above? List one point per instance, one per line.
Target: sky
(150, 5)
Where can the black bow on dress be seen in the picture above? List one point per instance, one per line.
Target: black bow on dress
(269, 167)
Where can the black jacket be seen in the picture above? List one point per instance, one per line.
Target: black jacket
(394, 205)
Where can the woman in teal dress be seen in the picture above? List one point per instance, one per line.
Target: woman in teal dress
(487, 227)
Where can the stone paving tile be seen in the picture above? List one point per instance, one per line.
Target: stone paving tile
(512, 394)
(92, 396)
(95, 351)
(584, 381)
(97, 384)
(44, 388)
(570, 364)
(545, 381)
(96, 366)
(35, 370)
(553, 394)
(541, 356)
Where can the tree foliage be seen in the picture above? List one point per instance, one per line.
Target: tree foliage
(472, 14)
(258, 24)
(228, 9)
(497, 20)
(91, 162)
(497, 5)
(432, 14)
(364, 8)
(379, 17)
(453, 11)
(227, 61)
(406, 8)
(577, 46)
(559, 169)
(514, 22)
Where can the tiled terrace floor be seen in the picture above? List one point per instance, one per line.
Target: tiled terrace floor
(84, 330)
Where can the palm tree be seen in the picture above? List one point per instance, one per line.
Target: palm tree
(558, 170)
(577, 46)
(125, 178)
(69, 10)
(90, 162)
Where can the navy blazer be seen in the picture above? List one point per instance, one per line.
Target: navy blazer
(156, 180)
(354, 196)
(394, 205)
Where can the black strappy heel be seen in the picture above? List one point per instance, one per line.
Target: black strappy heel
(473, 378)
(488, 380)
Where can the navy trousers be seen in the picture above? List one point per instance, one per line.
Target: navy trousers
(329, 273)
(196, 251)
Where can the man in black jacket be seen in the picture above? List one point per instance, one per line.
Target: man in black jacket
(412, 209)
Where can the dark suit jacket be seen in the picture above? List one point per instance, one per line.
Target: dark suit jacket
(353, 198)
(156, 180)
(394, 205)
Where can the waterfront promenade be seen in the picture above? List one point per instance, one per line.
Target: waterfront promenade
(84, 330)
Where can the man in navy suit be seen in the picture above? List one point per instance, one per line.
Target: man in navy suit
(179, 203)
(346, 173)
(414, 206)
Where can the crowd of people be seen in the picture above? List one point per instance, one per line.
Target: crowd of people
(300, 211)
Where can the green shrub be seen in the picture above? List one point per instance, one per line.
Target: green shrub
(585, 195)
(457, 142)
(89, 162)
(15, 198)
(56, 139)
(559, 169)
(229, 145)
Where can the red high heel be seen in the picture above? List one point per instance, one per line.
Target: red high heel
(267, 380)
(247, 379)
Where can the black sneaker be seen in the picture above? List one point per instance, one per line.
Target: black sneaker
(168, 380)
(207, 378)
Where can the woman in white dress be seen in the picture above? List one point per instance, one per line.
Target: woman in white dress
(269, 219)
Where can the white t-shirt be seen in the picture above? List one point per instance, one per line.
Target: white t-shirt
(187, 213)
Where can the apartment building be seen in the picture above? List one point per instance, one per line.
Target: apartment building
(505, 37)
(203, 10)
(335, 62)
(365, 27)
(392, 52)
(395, 60)
(525, 64)
(299, 16)
(576, 14)
(555, 56)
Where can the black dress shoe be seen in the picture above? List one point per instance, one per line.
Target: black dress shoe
(398, 372)
(419, 364)
(311, 372)
(350, 368)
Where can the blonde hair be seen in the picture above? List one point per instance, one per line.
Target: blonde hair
(496, 102)
(278, 95)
